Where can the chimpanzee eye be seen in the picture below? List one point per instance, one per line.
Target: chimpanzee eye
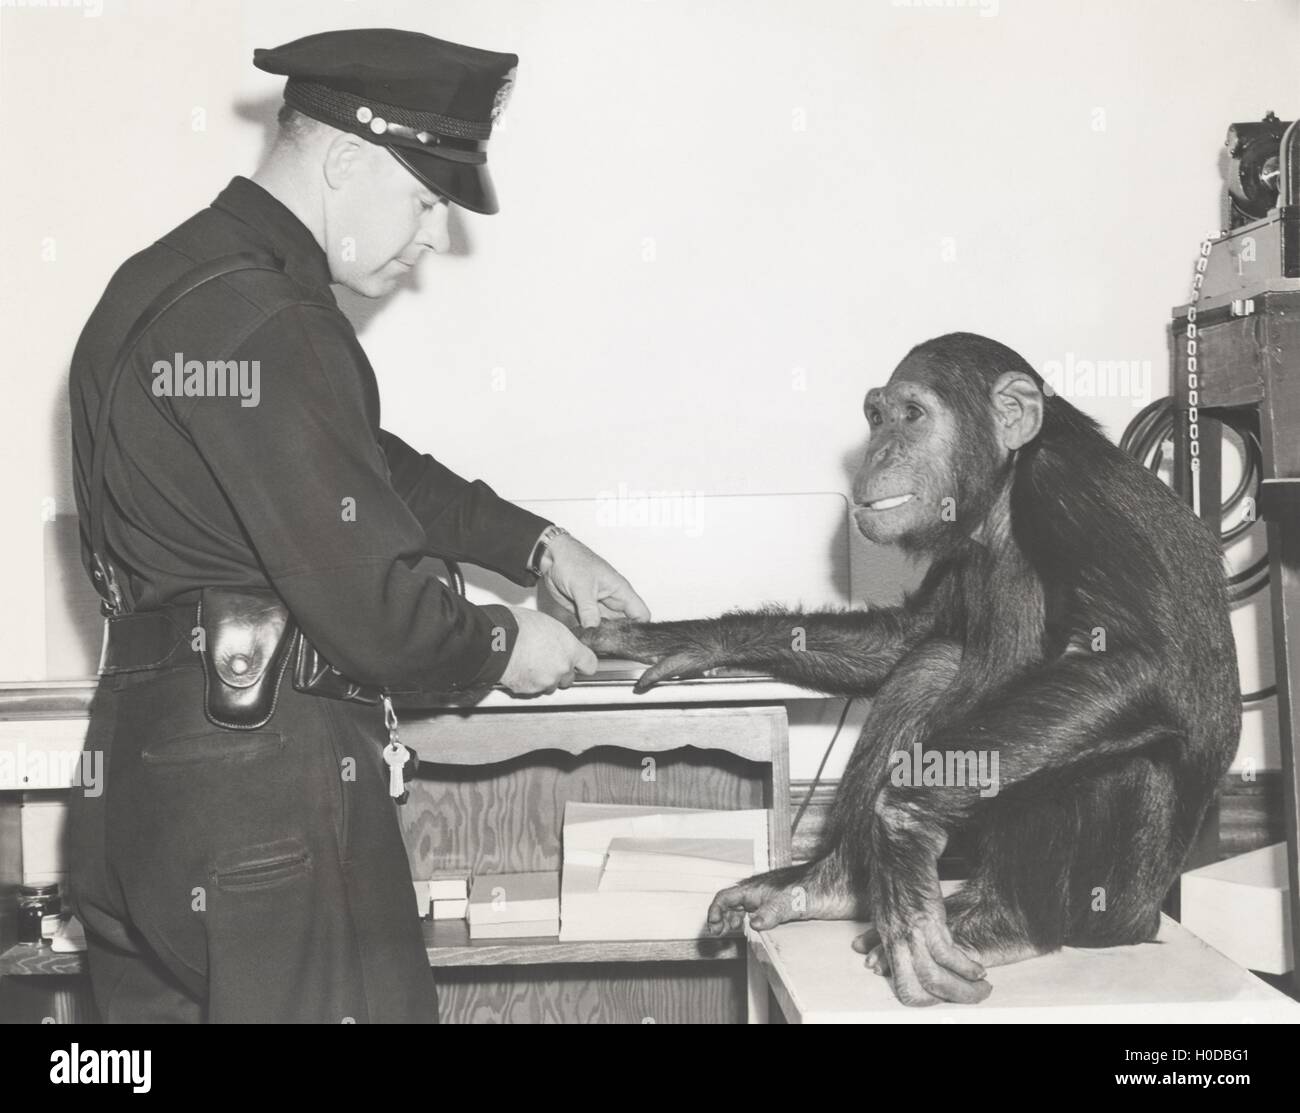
(873, 417)
(914, 412)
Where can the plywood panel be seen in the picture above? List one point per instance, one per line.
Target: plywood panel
(508, 816)
(640, 993)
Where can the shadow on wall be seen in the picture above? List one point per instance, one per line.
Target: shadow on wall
(73, 624)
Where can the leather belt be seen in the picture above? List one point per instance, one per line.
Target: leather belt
(144, 640)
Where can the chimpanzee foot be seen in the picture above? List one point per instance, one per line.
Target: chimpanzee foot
(969, 933)
(925, 963)
(868, 943)
(779, 896)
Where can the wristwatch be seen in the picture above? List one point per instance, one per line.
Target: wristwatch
(549, 534)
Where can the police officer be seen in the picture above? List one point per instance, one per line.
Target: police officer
(259, 874)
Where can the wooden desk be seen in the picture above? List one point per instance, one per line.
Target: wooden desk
(490, 798)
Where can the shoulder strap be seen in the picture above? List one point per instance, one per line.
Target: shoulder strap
(101, 570)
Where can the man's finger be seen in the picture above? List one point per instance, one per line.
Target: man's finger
(630, 603)
(588, 611)
(585, 661)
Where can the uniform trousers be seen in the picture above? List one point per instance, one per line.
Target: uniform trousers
(243, 876)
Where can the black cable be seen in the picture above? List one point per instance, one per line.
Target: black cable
(817, 777)
(1262, 694)
(1144, 440)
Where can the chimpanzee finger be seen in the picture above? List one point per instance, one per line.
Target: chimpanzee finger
(878, 961)
(946, 986)
(942, 983)
(728, 923)
(960, 961)
(867, 942)
(908, 987)
(728, 909)
(723, 903)
(676, 665)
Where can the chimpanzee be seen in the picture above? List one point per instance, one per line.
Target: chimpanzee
(1073, 621)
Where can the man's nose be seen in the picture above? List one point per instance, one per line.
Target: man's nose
(433, 229)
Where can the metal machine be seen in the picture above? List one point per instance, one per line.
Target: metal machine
(1236, 353)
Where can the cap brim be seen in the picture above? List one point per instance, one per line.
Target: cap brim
(467, 184)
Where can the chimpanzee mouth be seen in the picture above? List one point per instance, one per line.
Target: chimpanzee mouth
(887, 504)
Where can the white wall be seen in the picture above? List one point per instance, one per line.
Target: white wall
(721, 222)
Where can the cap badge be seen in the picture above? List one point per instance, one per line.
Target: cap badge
(503, 95)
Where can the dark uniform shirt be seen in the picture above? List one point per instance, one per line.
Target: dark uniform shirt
(302, 491)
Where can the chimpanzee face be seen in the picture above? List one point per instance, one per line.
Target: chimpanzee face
(927, 465)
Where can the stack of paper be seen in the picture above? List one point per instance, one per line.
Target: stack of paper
(514, 905)
(449, 895)
(675, 865)
(444, 896)
(653, 889)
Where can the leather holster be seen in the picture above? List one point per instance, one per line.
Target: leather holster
(316, 676)
(249, 641)
(247, 635)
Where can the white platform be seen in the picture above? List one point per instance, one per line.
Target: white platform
(819, 979)
(1240, 906)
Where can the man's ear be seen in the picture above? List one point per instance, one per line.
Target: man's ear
(1017, 409)
(342, 158)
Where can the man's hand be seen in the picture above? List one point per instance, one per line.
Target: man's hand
(545, 655)
(588, 584)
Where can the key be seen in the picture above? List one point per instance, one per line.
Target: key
(412, 765)
(396, 756)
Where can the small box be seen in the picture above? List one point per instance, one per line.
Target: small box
(511, 898)
(449, 909)
(449, 885)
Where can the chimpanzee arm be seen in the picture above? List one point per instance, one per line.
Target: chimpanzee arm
(841, 652)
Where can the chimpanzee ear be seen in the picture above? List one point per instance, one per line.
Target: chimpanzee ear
(1017, 409)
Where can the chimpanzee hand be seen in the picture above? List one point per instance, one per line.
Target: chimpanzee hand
(916, 950)
(670, 652)
(614, 637)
